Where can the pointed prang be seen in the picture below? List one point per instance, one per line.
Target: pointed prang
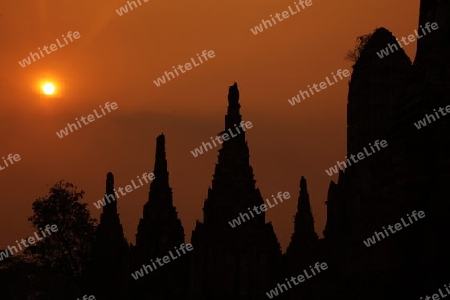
(304, 206)
(233, 116)
(233, 97)
(303, 200)
(109, 183)
(160, 167)
(110, 198)
(304, 234)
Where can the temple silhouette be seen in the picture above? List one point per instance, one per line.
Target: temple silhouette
(386, 97)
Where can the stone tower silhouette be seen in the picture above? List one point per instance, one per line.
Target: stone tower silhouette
(304, 239)
(411, 175)
(159, 231)
(423, 164)
(110, 256)
(303, 248)
(233, 263)
(373, 101)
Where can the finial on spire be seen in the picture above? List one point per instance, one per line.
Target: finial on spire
(303, 183)
(233, 98)
(160, 167)
(109, 179)
(160, 140)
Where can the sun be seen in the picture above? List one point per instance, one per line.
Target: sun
(48, 89)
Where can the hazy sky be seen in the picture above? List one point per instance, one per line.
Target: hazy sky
(118, 57)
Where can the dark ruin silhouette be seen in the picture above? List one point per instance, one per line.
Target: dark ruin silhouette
(386, 96)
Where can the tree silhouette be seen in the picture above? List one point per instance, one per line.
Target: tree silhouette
(68, 249)
(361, 42)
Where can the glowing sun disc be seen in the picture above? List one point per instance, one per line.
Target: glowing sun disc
(48, 89)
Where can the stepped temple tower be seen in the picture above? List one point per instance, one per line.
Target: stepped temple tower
(233, 263)
(304, 246)
(304, 239)
(109, 268)
(159, 231)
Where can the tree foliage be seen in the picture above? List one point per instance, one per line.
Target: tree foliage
(361, 42)
(67, 250)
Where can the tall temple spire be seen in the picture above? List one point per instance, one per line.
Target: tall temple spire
(304, 234)
(160, 185)
(233, 103)
(110, 209)
(159, 210)
(251, 250)
(110, 216)
(233, 169)
(159, 231)
(233, 119)
(109, 267)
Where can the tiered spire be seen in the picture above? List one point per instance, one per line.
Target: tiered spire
(161, 182)
(110, 225)
(249, 251)
(159, 231)
(233, 116)
(110, 256)
(160, 219)
(304, 235)
(233, 173)
(110, 210)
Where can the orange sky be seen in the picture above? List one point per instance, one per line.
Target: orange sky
(118, 57)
